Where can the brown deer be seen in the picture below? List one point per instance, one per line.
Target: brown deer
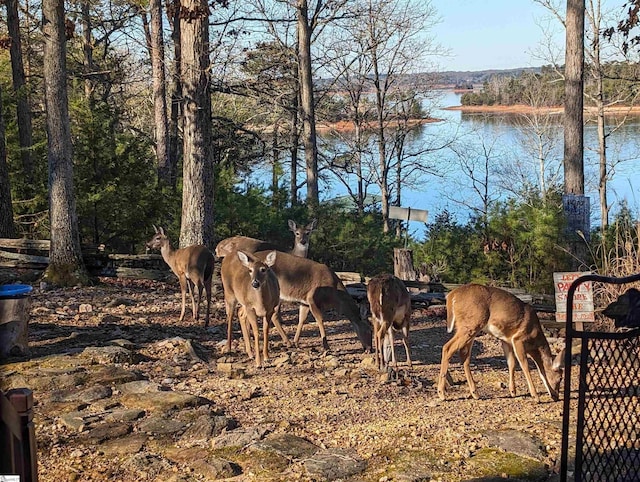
(390, 306)
(192, 265)
(300, 242)
(317, 288)
(250, 282)
(472, 308)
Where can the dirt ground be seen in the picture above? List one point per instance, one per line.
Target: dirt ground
(334, 399)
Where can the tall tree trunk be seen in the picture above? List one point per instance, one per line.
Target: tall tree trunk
(87, 50)
(307, 107)
(7, 227)
(22, 99)
(382, 144)
(160, 94)
(173, 12)
(573, 104)
(294, 139)
(197, 189)
(66, 267)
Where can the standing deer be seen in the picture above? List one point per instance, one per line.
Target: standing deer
(250, 282)
(317, 288)
(300, 242)
(390, 305)
(472, 308)
(192, 265)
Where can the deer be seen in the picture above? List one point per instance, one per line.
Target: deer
(250, 282)
(472, 308)
(300, 242)
(390, 306)
(193, 265)
(317, 288)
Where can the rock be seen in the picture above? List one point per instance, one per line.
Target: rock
(240, 437)
(333, 464)
(290, 446)
(160, 426)
(108, 355)
(85, 308)
(75, 420)
(113, 375)
(231, 370)
(124, 415)
(130, 444)
(107, 431)
(517, 442)
(147, 466)
(159, 401)
(495, 463)
(91, 394)
(120, 302)
(204, 428)
(138, 386)
(202, 463)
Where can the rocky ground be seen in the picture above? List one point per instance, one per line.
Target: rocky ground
(124, 392)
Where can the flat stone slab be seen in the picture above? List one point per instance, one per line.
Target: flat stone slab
(496, 463)
(159, 401)
(139, 386)
(129, 444)
(161, 426)
(334, 464)
(290, 446)
(240, 437)
(517, 442)
(205, 427)
(108, 355)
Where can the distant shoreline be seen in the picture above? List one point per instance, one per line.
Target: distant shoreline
(526, 109)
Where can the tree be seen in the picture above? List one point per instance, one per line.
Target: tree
(7, 228)
(66, 266)
(197, 184)
(22, 100)
(165, 169)
(573, 104)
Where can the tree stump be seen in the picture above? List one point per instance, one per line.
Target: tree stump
(403, 264)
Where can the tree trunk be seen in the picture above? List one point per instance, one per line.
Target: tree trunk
(159, 94)
(307, 105)
(573, 104)
(294, 139)
(197, 189)
(87, 49)
(403, 264)
(66, 267)
(7, 228)
(22, 99)
(176, 92)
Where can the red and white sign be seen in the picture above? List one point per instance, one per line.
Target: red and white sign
(582, 297)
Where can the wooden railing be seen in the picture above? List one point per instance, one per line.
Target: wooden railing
(17, 435)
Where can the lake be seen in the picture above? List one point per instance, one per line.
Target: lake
(500, 144)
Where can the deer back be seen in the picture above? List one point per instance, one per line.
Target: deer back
(248, 245)
(389, 299)
(251, 281)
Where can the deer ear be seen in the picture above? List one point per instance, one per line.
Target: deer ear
(155, 228)
(558, 363)
(292, 225)
(312, 225)
(271, 258)
(161, 230)
(244, 259)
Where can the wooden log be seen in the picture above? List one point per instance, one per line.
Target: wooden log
(403, 264)
(23, 243)
(27, 258)
(144, 273)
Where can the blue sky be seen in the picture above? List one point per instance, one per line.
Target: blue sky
(488, 34)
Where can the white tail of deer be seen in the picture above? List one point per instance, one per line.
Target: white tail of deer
(192, 265)
(250, 282)
(472, 308)
(317, 288)
(390, 305)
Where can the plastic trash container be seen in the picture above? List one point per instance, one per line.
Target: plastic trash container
(14, 320)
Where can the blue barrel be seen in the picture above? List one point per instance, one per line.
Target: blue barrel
(14, 291)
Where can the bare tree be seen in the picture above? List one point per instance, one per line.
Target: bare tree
(22, 101)
(197, 189)
(66, 266)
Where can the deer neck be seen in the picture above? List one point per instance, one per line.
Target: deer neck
(300, 250)
(169, 255)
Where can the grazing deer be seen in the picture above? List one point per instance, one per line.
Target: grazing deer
(317, 288)
(472, 308)
(390, 305)
(250, 282)
(192, 265)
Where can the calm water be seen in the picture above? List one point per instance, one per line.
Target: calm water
(502, 142)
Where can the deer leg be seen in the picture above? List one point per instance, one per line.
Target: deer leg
(302, 316)
(377, 349)
(405, 341)
(521, 355)
(194, 311)
(250, 317)
(230, 306)
(276, 318)
(265, 337)
(207, 287)
(465, 356)
(537, 358)
(391, 342)
(246, 333)
(449, 348)
(511, 364)
(317, 314)
(183, 289)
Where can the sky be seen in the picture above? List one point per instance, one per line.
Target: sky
(489, 34)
